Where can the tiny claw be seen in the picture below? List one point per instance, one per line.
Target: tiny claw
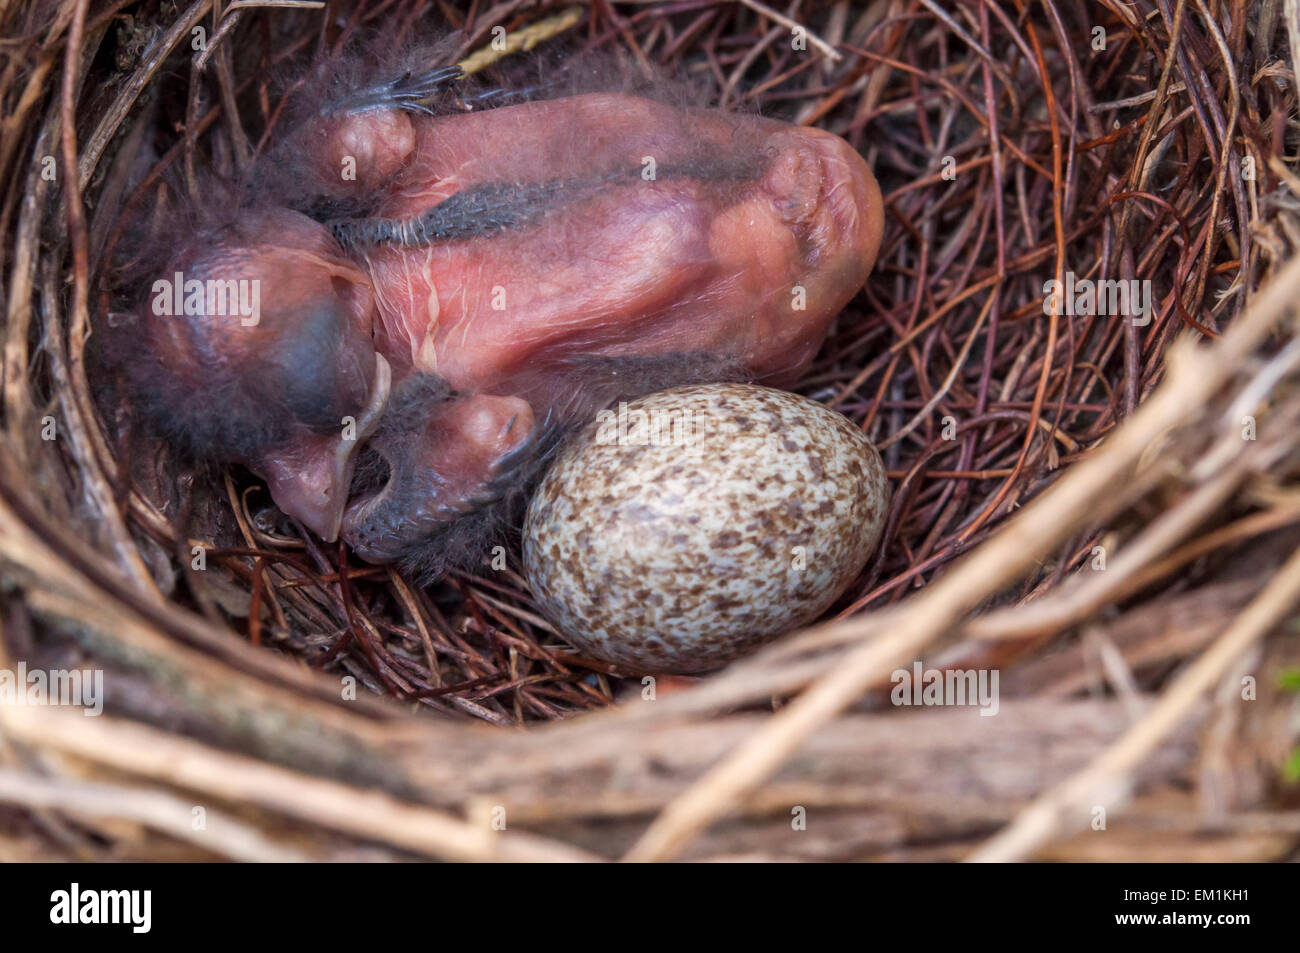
(412, 92)
(496, 98)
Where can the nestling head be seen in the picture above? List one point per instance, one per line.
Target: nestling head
(255, 348)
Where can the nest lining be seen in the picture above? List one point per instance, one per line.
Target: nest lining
(1123, 447)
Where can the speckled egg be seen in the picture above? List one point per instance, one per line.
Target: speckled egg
(683, 529)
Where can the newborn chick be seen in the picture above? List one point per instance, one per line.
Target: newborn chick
(501, 273)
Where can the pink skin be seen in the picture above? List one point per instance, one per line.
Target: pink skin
(315, 305)
(636, 268)
(748, 262)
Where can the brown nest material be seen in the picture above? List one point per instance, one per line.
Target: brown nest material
(1103, 511)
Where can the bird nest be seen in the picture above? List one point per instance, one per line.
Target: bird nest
(1095, 512)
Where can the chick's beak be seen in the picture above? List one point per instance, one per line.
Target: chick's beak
(309, 478)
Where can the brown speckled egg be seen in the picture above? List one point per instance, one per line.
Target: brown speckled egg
(687, 527)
